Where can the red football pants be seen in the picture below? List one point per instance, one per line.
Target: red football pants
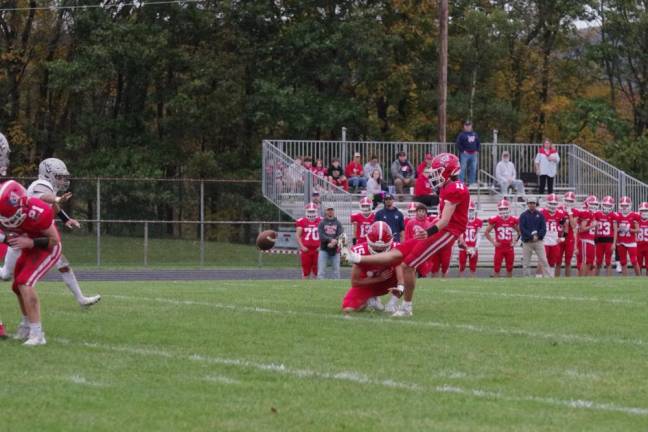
(463, 257)
(642, 255)
(625, 252)
(309, 261)
(553, 255)
(504, 253)
(603, 251)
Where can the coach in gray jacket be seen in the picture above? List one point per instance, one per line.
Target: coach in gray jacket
(330, 229)
(533, 228)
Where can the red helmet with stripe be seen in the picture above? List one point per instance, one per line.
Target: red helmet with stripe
(625, 205)
(591, 203)
(365, 206)
(552, 202)
(504, 208)
(444, 167)
(607, 204)
(570, 197)
(643, 210)
(379, 237)
(411, 210)
(13, 198)
(311, 211)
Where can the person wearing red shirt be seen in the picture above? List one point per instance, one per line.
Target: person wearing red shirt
(586, 254)
(605, 234)
(626, 226)
(507, 232)
(569, 245)
(454, 203)
(355, 173)
(362, 221)
(423, 190)
(554, 239)
(319, 169)
(427, 163)
(28, 224)
(411, 213)
(415, 227)
(469, 242)
(642, 237)
(308, 240)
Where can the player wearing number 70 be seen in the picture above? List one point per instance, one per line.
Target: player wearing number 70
(308, 240)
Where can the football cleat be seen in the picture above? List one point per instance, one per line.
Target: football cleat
(89, 301)
(392, 305)
(22, 333)
(36, 340)
(375, 304)
(403, 311)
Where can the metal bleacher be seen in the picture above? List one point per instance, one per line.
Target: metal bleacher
(289, 186)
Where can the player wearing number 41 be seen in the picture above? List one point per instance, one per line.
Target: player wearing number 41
(454, 201)
(53, 178)
(308, 240)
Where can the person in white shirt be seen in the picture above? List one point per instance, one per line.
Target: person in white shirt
(506, 176)
(372, 166)
(546, 165)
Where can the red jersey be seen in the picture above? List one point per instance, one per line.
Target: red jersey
(554, 223)
(363, 223)
(585, 215)
(642, 235)
(39, 218)
(414, 225)
(570, 231)
(604, 224)
(422, 186)
(625, 224)
(457, 193)
(367, 270)
(353, 169)
(504, 229)
(472, 230)
(310, 235)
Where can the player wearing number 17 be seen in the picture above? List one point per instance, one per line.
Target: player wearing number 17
(28, 225)
(308, 240)
(454, 200)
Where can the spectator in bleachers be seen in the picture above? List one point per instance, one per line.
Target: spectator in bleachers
(468, 147)
(423, 190)
(308, 163)
(375, 188)
(506, 175)
(402, 172)
(317, 200)
(294, 177)
(372, 166)
(546, 166)
(533, 228)
(330, 229)
(355, 174)
(336, 175)
(392, 216)
(427, 163)
(319, 169)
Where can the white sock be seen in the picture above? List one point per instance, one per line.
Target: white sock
(407, 304)
(24, 322)
(393, 300)
(35, 329)
(73, 285)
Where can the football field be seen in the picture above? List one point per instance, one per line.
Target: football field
(478, 355)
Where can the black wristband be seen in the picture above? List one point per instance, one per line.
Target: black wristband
(432, 230)
(41, 242)
(63, 216)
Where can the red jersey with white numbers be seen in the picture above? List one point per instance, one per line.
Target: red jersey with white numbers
(554, 223)
(363, 223)
(310, 235)
(642, 235)
(39, 218)
(585, 215)
(414, 225)
(472, 230)
(504, 229)
(604, 224)
(371, 270)
(455, 192)
(625, 224)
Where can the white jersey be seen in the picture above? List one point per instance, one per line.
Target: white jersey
(39, 187)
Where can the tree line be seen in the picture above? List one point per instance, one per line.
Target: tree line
(189, 89)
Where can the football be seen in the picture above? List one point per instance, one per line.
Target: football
(266, 239)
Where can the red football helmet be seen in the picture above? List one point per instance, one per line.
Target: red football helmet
(444, 166)
(379, 237)
(591, 203)
(13, 197)
(570, 197)
(504, 208)
(643, 210)
(472, 210)
(625, 205)
(607, 203)
(552, 202)
(365, 206)
(411, 210)
(311, 211)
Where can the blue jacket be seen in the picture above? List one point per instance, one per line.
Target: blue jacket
(468, 141)
(394, 218)
(530, 222)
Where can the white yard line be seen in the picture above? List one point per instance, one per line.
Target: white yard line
(361, 378)
(472, 328)
(616, 301)
(78, 379)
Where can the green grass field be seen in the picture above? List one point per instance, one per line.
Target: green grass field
(479, 355)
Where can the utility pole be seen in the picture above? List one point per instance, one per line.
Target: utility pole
(443, 68)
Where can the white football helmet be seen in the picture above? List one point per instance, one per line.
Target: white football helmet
(54, 171)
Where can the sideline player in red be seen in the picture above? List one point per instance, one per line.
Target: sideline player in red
(28, 225)
(411, 213)
(469, 242)
(454, 201)
(569, 245)
(505, 226)
(605, 236)
(554, 239)
(308, 240)
(585, 257)
(626, 226)
(362, 221)
(642, 237)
